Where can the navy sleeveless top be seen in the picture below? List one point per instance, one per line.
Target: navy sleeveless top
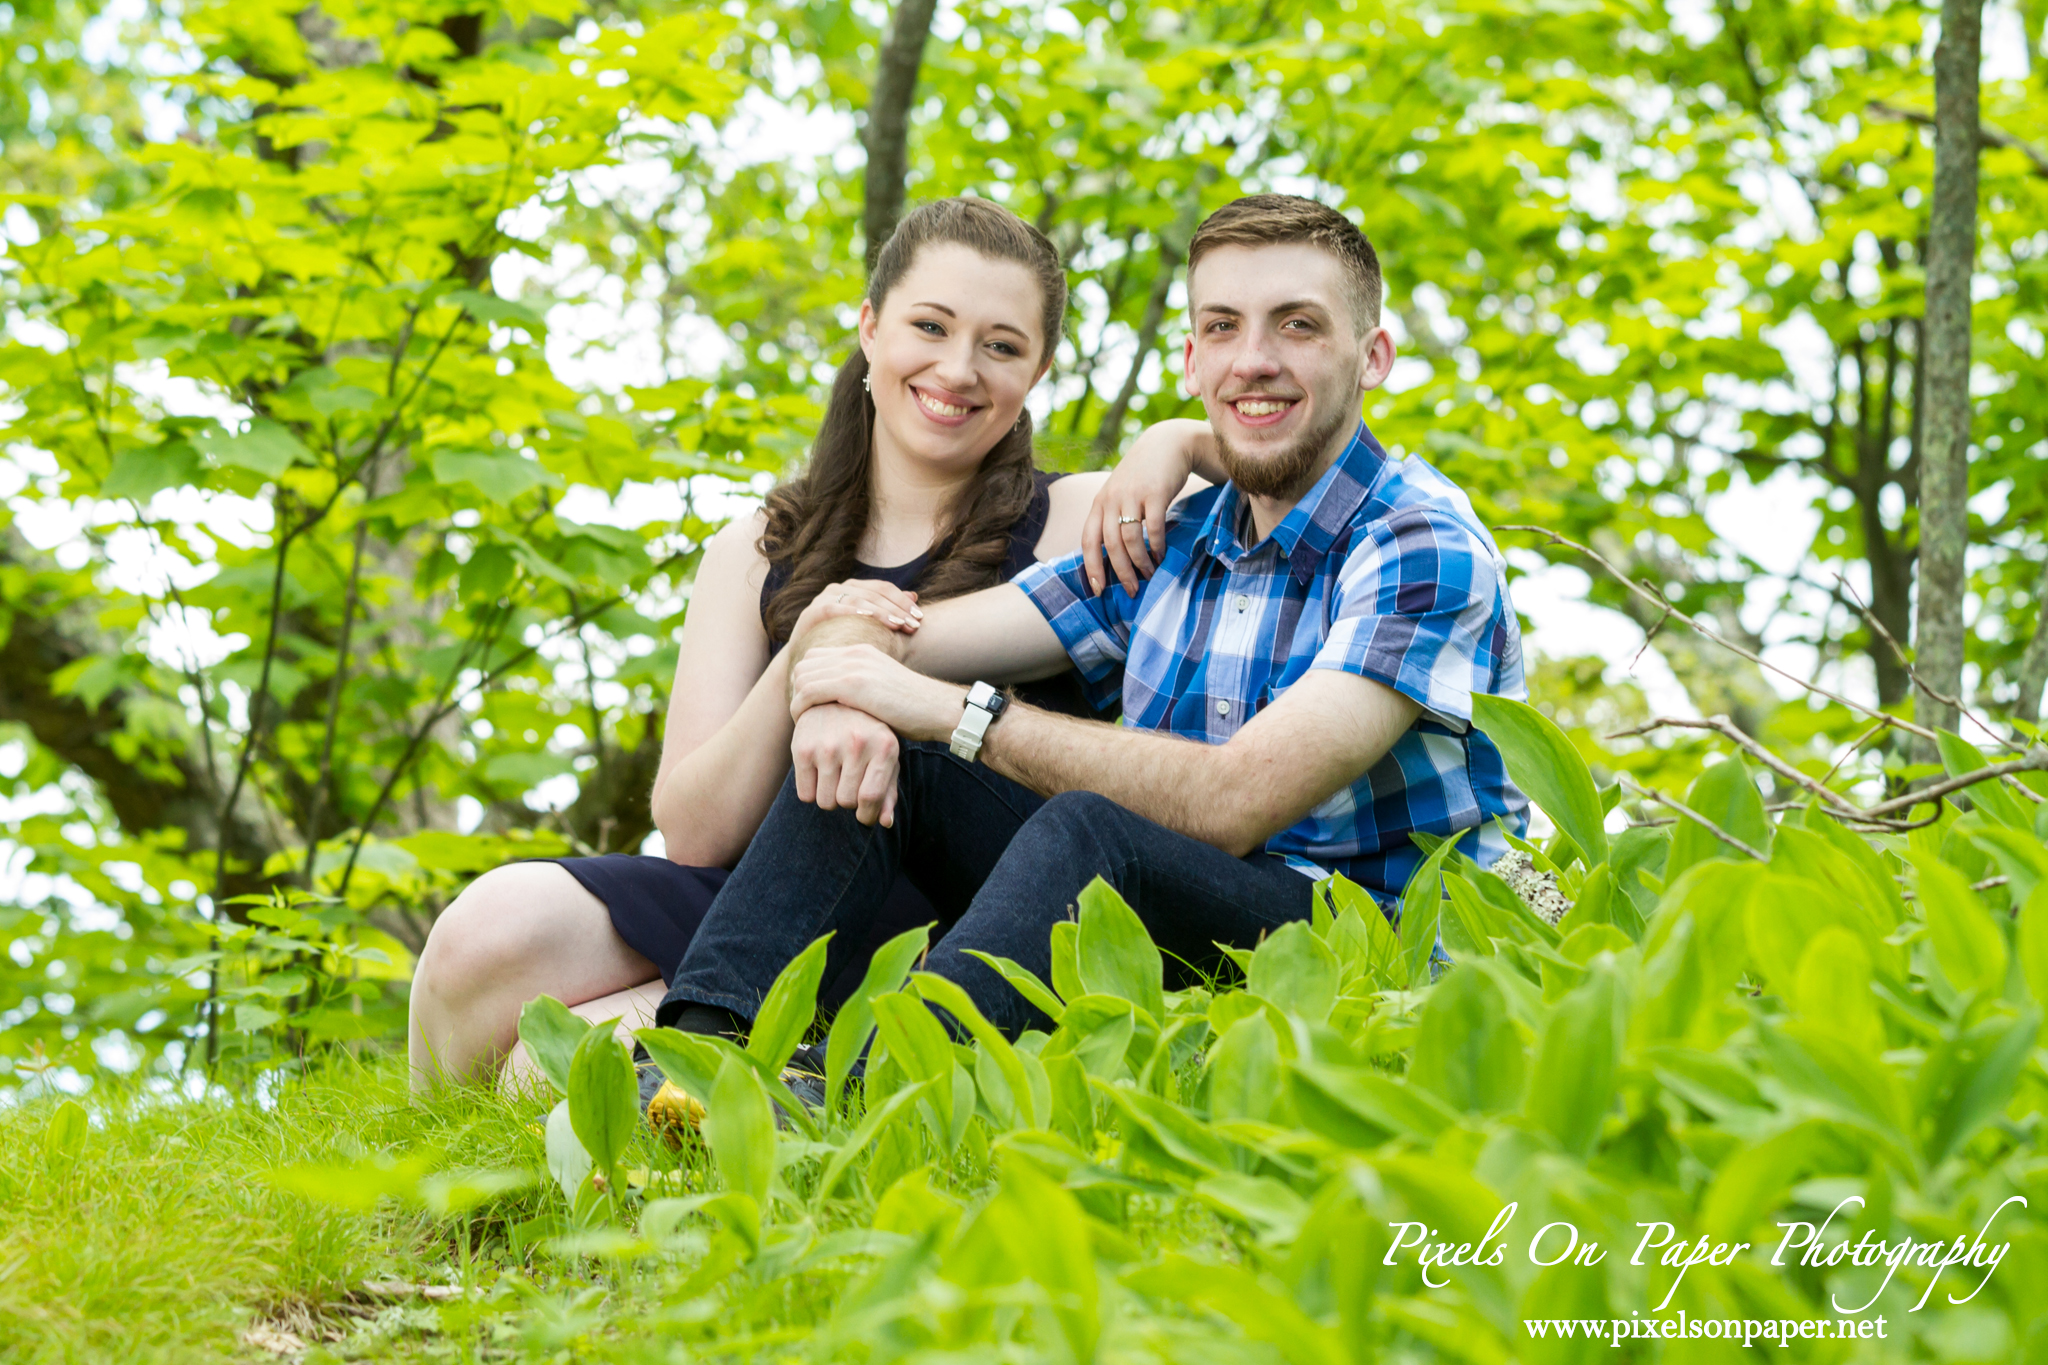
(1063, 692)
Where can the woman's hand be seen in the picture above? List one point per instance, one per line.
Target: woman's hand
(846, 759)
(1127, 523)
(885, 602)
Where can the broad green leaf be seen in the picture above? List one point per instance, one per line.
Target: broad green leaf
(1096, 1030)
(1295, 971)
(1751, 1185)
(64, 1133)
(1959, 756)
(872, 1122)
(264, 447)
(144, 472)
(491, 308)
(1831, 988)
(739, 1126)
(455, 1194)
(1544, 764)
(1267, 1205)
(500, 476)
(2032, 942)
(1421, 912)
(1026, 983)
(1594, 904)
(951, 998)
(1114, 953)
(916, 1040)
(1033, 1230)
(1362, 1109)
(1238, 1295)
(551, 1032)
(1637, 851)
(604, 1097)
(855, 1022)
(1467, 1052)
(1066, 958)
(788, 1008)
(1967, 944)
(692, 1062)
(1973, 1078)
(1725, 795)
(2021, 855)
(1244, 1070)
(1571, 1085)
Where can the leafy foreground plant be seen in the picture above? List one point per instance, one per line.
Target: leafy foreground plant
(1834, 1045)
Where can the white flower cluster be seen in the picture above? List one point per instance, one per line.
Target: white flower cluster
(1538, 890)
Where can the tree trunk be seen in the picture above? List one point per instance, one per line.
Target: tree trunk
(2034, 663)
(888, 130)
(1173, 249)
(1945, 473)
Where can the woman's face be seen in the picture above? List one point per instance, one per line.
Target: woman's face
(954, 349)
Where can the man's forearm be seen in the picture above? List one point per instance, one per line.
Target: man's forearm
(847, 630)
(1190, 787)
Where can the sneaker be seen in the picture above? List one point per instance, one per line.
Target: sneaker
(807, 1085)
(671, 1110)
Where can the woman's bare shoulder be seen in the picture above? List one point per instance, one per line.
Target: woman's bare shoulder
(734, 551)
(1068, 501)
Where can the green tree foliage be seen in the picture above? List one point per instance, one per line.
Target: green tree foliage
(316, 395)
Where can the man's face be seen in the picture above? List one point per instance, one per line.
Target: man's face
(1278, 362)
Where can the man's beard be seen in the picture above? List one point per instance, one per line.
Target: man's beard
(1287, 473)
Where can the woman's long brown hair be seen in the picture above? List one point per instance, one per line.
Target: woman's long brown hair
(816, 520)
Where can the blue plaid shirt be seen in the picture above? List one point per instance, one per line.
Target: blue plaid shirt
(1382, 570)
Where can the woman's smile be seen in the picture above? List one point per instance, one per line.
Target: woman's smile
(941, 406)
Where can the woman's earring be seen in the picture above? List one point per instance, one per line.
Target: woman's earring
(867, 381)
(1018, 425)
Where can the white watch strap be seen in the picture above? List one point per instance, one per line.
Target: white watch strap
(967, 735)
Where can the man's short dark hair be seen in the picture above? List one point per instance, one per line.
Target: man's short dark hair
(1276, 219)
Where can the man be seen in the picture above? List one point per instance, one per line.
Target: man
(1296, 680)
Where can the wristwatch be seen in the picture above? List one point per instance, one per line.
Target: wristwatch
(984, 704)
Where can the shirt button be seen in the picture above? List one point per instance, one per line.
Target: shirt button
(1243, 601)
(1222, 708)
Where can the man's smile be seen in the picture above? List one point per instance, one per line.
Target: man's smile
(1261, 410)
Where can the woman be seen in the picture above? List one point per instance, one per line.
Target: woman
(923, 463)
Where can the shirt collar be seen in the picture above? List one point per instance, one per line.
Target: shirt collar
(1308, 530)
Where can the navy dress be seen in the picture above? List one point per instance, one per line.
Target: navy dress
(656, 905)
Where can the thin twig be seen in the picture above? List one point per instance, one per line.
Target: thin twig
(1727, 728)
(1672, 803)
(1848, 594)
(1658, 599)
(2034, 762)
(1855, 746)
(1986, 133)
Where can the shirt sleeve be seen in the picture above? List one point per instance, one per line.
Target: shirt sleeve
(1095, 631)
(1415, 610)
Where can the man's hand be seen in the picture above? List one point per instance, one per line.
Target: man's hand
(865, 679)
(846, 759)
(1127, 522)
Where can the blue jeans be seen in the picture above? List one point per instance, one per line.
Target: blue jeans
(1000, 865)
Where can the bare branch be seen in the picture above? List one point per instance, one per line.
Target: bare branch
(1987, 134)
(1673, 804)
(1658, 600)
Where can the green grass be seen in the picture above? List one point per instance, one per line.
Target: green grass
(164, 1239)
